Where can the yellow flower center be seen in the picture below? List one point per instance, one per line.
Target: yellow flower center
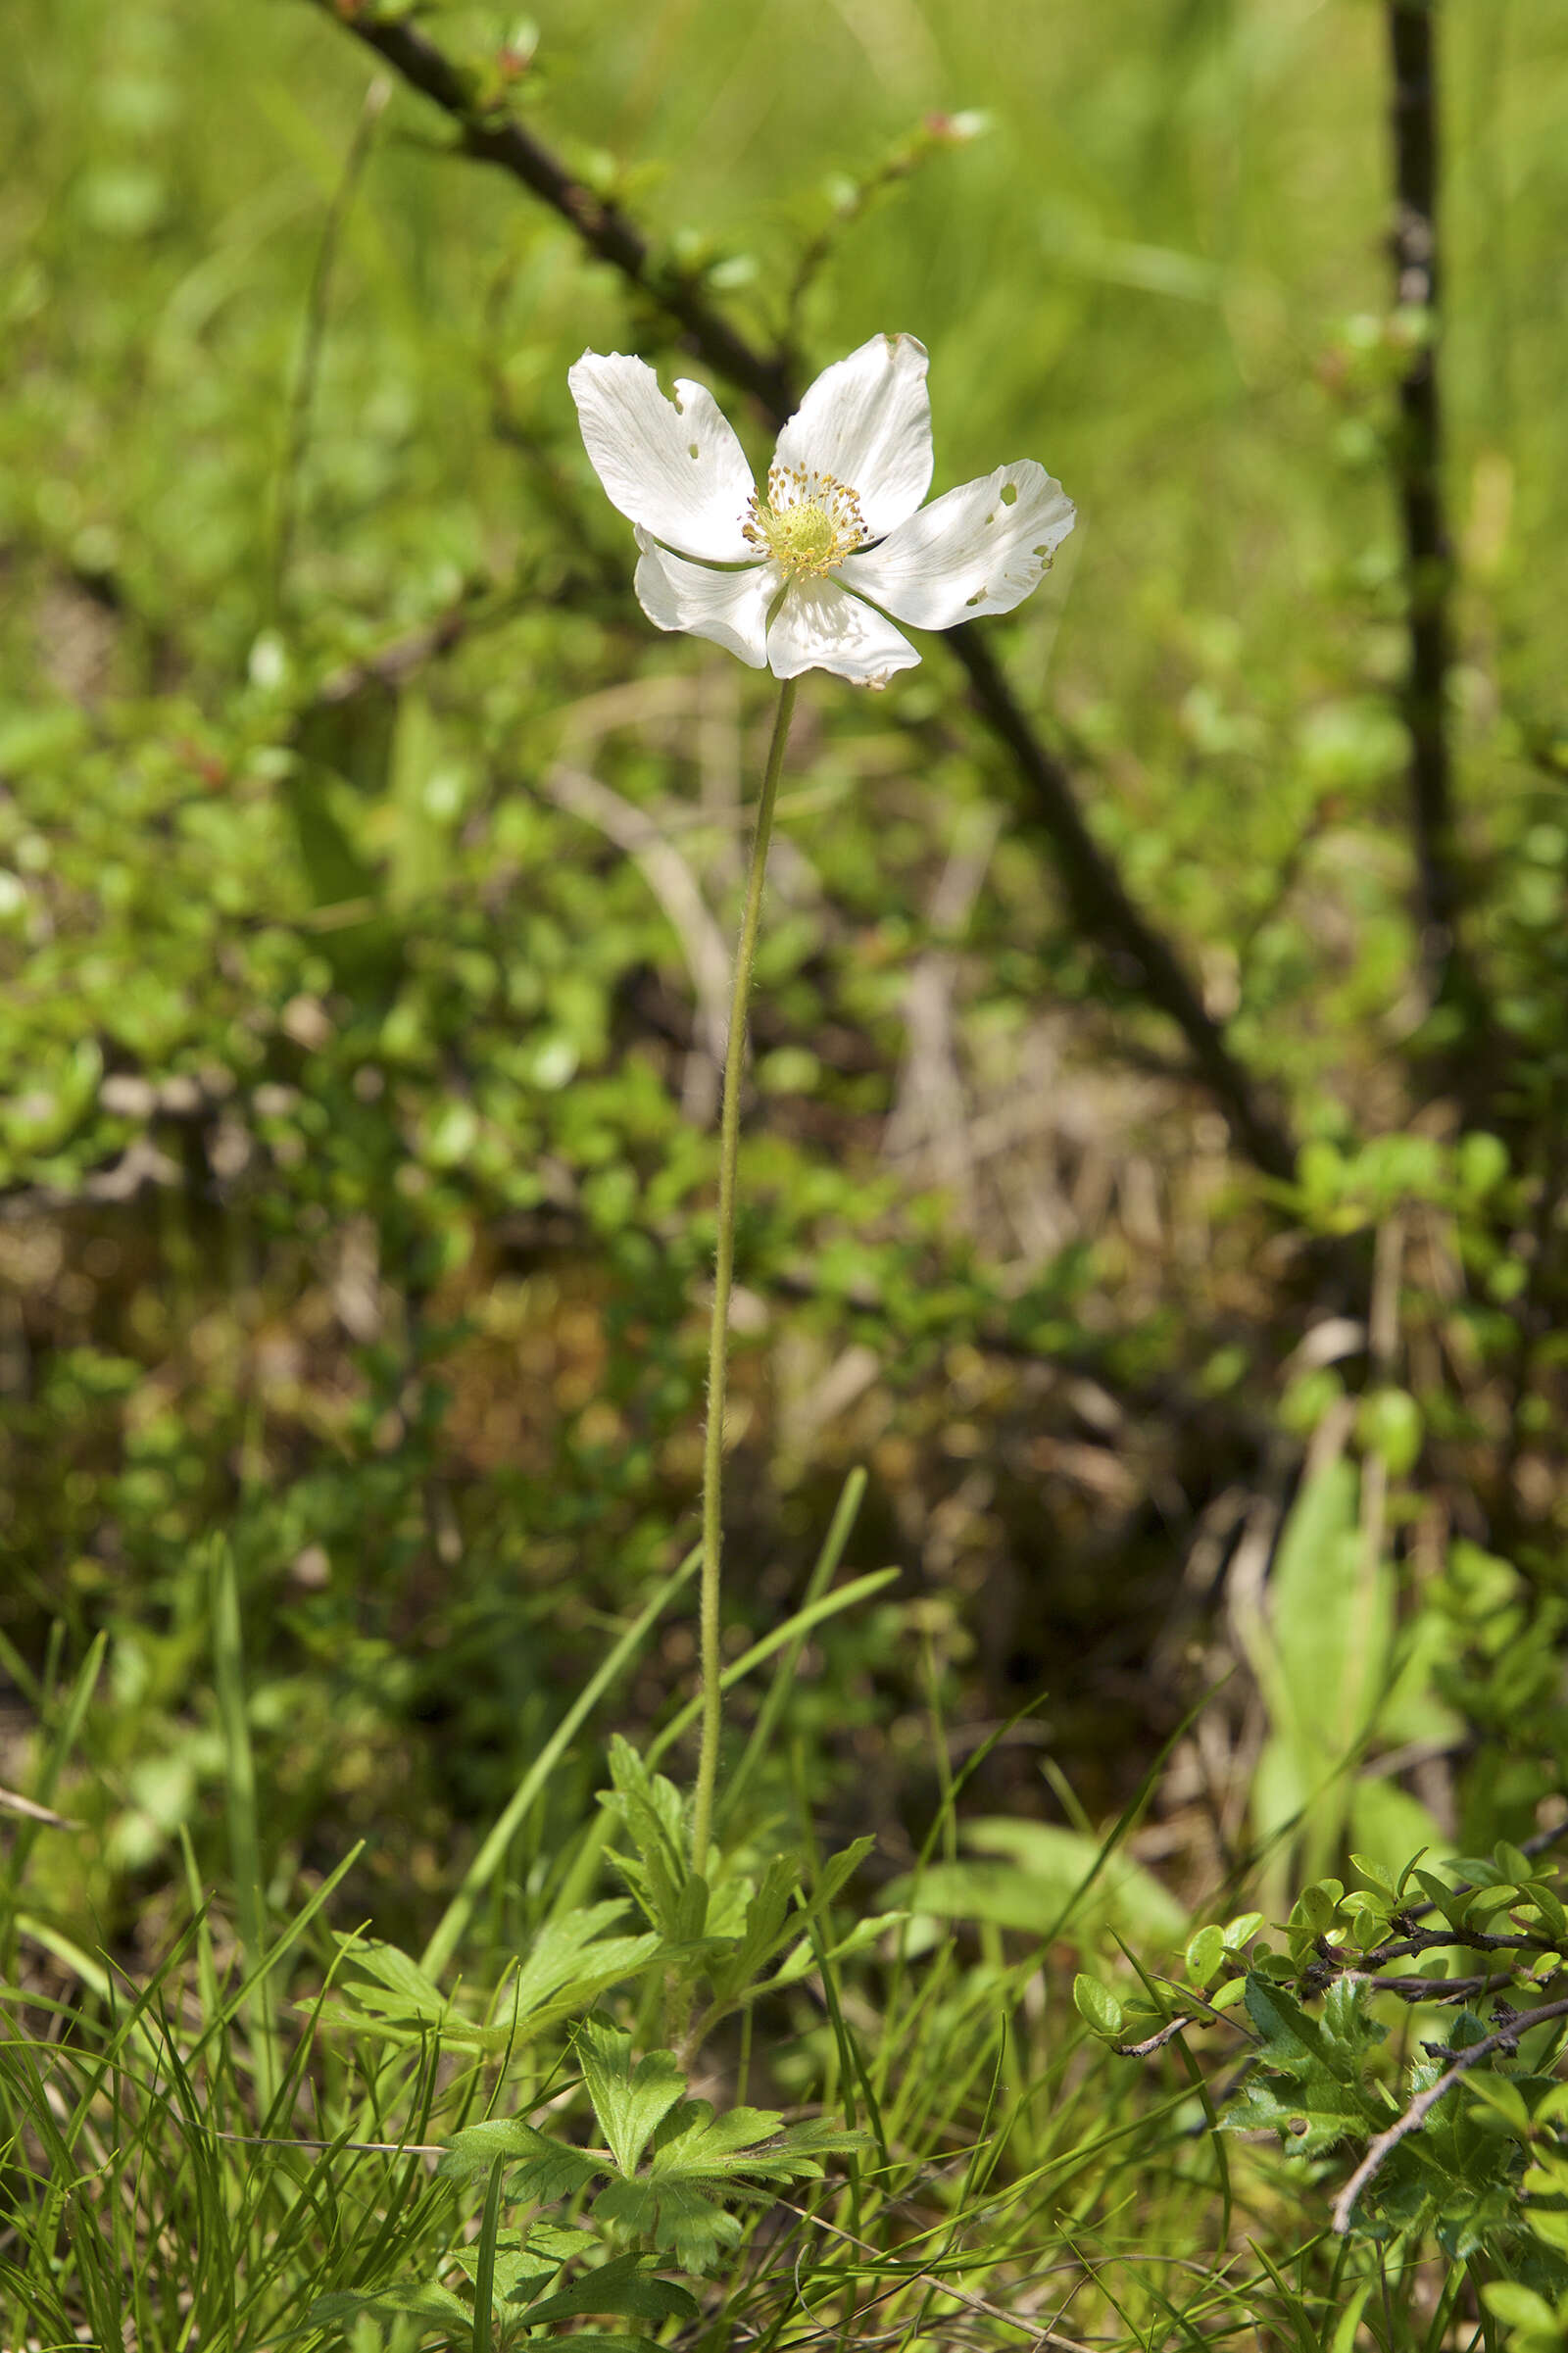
(809, 523)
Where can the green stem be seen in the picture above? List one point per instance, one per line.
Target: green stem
(729, 1144)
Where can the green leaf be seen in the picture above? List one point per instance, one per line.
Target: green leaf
(630, 2102)
(524, 2270)
(1501, 2095)
(1519, 2307)
(548, 2169)
(1550, 2225)
(1487, 1902)
(1323, 2099)
(768, 1924)
(836, 1873)
(405, 1991)
(1205, 1953)
(1548, 1905)
(1097, 2006)
(1349, 2321)
(1391, 1423)
(597, 2340)
(622, 2285)
(696, 2144)
(658, 1872)
(1350, 2030)
(679, 2217)
(1291, 2039)
(565, 1969)
(1380, 1877)
(428, 2302)
(1310, 2117)
(569, 1964)
(1044, 1883)
(1315, 1592)
(700, 2160)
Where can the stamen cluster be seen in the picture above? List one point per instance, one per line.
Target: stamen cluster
(809, 523)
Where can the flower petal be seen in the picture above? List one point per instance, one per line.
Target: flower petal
(979, 549)
(730, 608)
(672, 465)
(867, 420)
(819, 627)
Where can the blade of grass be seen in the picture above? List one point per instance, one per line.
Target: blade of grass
(62, 1741)
(778, 1690)
(800, 1623)
(450, 1927)
(484, 2277)
(244, 1828)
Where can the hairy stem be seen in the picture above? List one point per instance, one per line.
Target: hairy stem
(730, 1145)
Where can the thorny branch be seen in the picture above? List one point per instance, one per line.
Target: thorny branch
(1138, 957)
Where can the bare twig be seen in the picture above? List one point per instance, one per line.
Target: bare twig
(1173, 2027)
(12, 1801)
(1329, 1970)
(1158, 2039)
(1138, 957)
(1381, 2148)
(1425, 1989)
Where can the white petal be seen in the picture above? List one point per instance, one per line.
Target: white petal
(820, 629)
(730, 608)
(973, 550)
(867, 420)
(672, 465)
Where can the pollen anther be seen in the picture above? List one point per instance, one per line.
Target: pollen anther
(809, 523)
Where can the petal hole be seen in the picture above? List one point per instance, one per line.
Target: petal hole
(1009, 493)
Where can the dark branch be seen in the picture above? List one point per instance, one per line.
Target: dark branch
(1426, 1990)
(1418, 483)
(1139, 958)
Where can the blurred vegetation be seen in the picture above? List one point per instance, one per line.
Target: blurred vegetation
(367, 862)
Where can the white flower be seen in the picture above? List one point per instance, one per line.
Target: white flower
(772, 579)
